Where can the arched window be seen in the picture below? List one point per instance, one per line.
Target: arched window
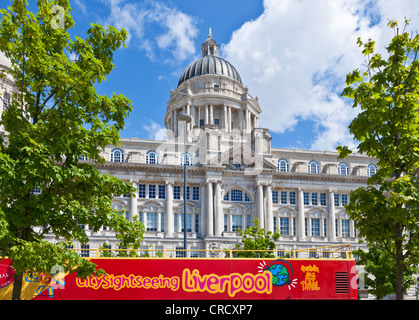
(283, 165)
(186, 157)
(371, 170)
(343, 169)
(6, 100)
(237, 195)
(313, 167)
(152, 157)
(117, 155)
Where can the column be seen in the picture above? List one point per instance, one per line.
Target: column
(206, 114)
(211, 115)
(219, 218)
(134, 201)
(332, 216)
(203, 213)
(175, 123)
(269, 223)
(229, 119)
(188, 112)
(301, 221)
(169, 220)
(259, 205)
(225, 118)
(210, 210)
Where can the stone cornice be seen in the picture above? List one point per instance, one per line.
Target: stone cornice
(203, 170)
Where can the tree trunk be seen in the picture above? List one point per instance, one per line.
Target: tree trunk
(17, 286)
(399, 265)
(399, 281)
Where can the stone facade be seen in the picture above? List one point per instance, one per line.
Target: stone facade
(233, 173)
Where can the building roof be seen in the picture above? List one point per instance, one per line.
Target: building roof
(210, 63)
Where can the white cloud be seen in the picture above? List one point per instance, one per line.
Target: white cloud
(156, 28)
(296, 55)
(154, 130)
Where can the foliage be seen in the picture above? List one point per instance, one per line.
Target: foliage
(387, 128)
(257, 240)
(380, 271)
(54, 118)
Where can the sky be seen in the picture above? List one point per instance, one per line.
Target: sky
(293, 55)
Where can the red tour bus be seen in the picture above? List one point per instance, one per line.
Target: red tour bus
(317, 273)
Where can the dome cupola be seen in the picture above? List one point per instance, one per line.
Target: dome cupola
(210, 63)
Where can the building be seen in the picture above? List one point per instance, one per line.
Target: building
(233, 173)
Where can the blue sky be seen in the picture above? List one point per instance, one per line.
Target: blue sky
(292, 54)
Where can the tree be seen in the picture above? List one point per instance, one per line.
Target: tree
(256, 241)
(56, 117)
(386, 212)
(379, 264)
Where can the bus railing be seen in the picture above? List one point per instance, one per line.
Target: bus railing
(327, 252)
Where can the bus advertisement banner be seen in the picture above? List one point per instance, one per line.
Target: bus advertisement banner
(192, 279)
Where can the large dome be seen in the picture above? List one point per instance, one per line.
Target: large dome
(210, 64)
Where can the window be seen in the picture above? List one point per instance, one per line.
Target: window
(292, 197)
(6, 101)
(236, 195)
(246, 198)
(162, 222)
(125, 214)
(371, 170)
(84, 250)
(275, 196)
(306, 198)
(248, 221)
(345, 228)
(152, 157)
(196, 222)
(36, 190)
(284, 226)
(152, 191)
(283, 197)
(237, 222)
(186, 157)
(283, 165)
(343, 169)
(180, 252)
(141, 191)
(313, 167)
(151, 221)
(325, 227)
(201, 122)
(176, 192)
(315, 227)
(336, 196)
(188, 222)
(314, 201)
(322, 199)
(195, 193)
(344, 199)
(117, 155)
(217, 122)
(162, 192)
